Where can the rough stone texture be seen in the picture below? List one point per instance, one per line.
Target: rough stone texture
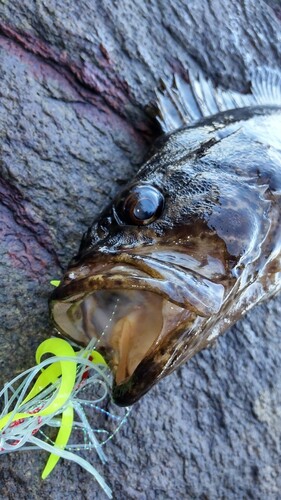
(75, 77)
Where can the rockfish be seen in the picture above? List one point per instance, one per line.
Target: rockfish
(191, 243)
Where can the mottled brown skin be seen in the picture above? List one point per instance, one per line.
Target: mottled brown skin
(214, 250)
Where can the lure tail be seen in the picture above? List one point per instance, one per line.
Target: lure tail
(54, 400)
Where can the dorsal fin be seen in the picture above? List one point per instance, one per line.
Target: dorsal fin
(182, 102)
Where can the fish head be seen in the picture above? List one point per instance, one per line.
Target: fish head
(148, 275)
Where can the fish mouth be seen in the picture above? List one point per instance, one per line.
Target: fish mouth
(134, 312)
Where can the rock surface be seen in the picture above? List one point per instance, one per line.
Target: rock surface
(75, 79)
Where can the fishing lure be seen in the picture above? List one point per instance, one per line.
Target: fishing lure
(58, 399)
(193, 241)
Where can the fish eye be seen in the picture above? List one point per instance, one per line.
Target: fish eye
(140, 206)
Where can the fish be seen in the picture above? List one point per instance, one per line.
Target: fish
(191, 243)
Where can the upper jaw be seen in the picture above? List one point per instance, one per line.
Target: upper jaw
(184, 287)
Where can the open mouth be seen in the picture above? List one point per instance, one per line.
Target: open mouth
(136, 311)
(127, 324)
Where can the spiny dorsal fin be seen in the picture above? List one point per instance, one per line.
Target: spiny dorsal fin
(266, 86)
(182, 103)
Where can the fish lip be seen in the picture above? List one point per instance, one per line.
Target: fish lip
(140, 382)
(123, 394)
(94, 282)
(147, 280)
(150, 276)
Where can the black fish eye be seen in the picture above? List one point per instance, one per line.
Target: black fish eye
(141, 205)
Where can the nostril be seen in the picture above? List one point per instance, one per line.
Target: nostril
(97, 232)
(102, 230)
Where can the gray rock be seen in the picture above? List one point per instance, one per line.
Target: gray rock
(75, 78)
